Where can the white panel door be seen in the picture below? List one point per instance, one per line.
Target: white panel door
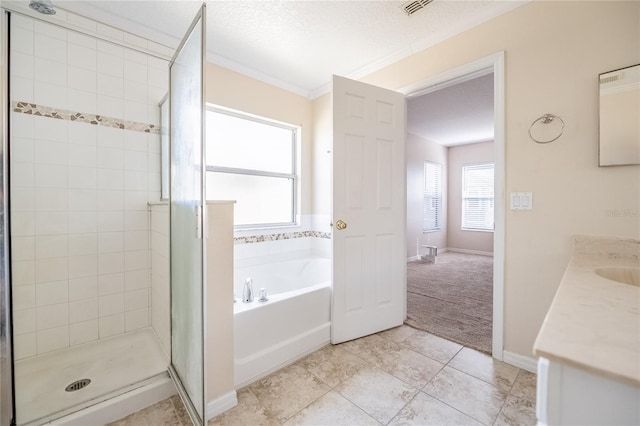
(369, 210)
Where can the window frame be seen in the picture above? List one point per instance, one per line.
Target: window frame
(293, 176)
(464, 197)
(425, 194)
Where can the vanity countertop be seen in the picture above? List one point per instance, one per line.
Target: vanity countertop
(594, 323)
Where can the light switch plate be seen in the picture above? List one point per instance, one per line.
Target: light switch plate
(521, 201)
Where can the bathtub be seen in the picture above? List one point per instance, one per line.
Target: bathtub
(294, 321)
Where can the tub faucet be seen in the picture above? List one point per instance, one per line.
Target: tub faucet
(247, 293)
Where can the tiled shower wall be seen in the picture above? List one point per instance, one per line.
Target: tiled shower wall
(81, 177)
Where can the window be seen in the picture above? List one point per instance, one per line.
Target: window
(432, 214)
(252, 161)
(477, 197)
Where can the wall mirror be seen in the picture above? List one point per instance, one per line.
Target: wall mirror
(620, 117)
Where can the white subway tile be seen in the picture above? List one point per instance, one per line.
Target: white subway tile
(22, 125)
(50, 316)
(136, 111)
(82, 155)
(50, 129)
(83, 244)
(82, 133)
(153, 162)
(136, 260)
(83, 332)
(137, 319)
(136, 299)
(83, 288)
(82, 57)
(110, 200)
(110, 179)
(50, 199)
(110, 263)
(53, 339)
(111, 326)
(136, 92)
(24, 296)
(51, 223)
(112, 138)
(83, 222)
(110, 158)
(81, 39)
(136, 200)
(135, 71)
(83, 266)
(83, 310)
(134, 280)
(22, 90)
(49, 31)
(159, 77)
(136, 240)
(82, 79)
(135, 161)
(50, 176)
(110, 221)
(82, 178)
(22, 175)
(24, 346)
(22, 150)
(154, 183)
(47, 94)
(136, 221)
(156, 94)
(110, 107)
(154, 143)
(54, 269)
(110, 32)
(24, 321)
(109, 85)
(48, 71)
(22, 40)
(23, 199)
(20, 21)
(22, 224)
(52, 293)
(81, 101)
(158, 63)
(110, 284)
(135, 141)
(50, 152)
(111, 304)
(109, 242)
(50, 48)
(22, 248)
(135, 181)
(51, 246)
(22, 65)
(110, 65)
(23, 273)
(110, 48)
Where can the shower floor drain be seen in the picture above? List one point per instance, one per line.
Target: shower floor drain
(77, 385)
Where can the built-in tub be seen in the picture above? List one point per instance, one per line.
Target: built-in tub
(294, 321)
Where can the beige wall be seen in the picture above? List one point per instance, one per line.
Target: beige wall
(237, 91)
(554, 52)
(457, 238)
(322, 145)
(420, 150)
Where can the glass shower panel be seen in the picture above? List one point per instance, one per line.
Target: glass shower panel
(186, 197)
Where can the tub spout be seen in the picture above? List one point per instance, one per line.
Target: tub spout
(247, 293)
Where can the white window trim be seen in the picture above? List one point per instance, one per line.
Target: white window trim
(440, 218)
(295, 167)
(462, 217)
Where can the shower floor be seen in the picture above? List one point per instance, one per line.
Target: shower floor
(112, 364)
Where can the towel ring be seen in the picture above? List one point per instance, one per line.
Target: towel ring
(546, 119)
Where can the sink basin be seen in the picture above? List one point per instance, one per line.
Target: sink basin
(624, 275)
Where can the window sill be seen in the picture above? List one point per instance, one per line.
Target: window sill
(477, 230)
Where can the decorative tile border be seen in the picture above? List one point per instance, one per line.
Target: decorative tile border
(94, 119)
(277, 237)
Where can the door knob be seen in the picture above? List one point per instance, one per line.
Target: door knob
(340, 225)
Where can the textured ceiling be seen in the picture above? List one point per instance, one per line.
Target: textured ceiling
(455, 115)
(298, 44)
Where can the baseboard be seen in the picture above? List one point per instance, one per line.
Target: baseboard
(478, 252)
(221, 404)
(520, 361)
(122, 405)
(413, 258)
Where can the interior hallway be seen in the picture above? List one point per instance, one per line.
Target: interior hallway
(399, 376)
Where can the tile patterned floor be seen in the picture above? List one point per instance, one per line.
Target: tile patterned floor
(400, 376)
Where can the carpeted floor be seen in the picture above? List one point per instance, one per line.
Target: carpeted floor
(453, 298)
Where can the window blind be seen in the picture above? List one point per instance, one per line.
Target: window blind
(432, 206)
(477, 197)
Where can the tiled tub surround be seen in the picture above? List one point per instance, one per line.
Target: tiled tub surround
(79, 190)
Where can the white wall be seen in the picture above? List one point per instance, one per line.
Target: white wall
(460, 156)
(79, 191)
(420, 150)
(554, 52)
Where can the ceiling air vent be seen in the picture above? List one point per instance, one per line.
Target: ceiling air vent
(413, 6)
(610, 78)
